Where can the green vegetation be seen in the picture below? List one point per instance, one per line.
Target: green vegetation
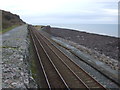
(9, 47)
(8, 29)
(38, 27)
(0, 27)
(33, 68)
(32, 57)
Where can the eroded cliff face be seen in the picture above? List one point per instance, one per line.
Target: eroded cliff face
(9, 19)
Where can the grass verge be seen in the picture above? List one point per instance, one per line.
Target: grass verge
(38, 26)
(8, 29)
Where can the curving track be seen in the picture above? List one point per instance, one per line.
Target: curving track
(59, 70)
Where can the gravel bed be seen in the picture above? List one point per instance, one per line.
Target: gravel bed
(96, 75)
(112, 63)
(15, 63)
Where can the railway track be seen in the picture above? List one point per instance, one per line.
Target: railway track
(59, 70)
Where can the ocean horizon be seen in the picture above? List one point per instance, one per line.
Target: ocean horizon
(102, 29)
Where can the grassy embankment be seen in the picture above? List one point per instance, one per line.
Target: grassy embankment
(8, 29)
(38, 27)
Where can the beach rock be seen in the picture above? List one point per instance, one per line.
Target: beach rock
(103, 44)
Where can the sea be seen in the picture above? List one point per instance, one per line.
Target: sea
(102, 29)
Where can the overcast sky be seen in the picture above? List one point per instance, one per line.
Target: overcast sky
(64, 11)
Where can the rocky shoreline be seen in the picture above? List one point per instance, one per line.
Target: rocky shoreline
(112, 63)
(103, 44)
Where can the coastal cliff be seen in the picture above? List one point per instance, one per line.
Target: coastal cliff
(9, 19)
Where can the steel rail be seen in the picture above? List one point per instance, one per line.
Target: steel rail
(53, 64)
(72, 60)
(66, 65)
(40, 61)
